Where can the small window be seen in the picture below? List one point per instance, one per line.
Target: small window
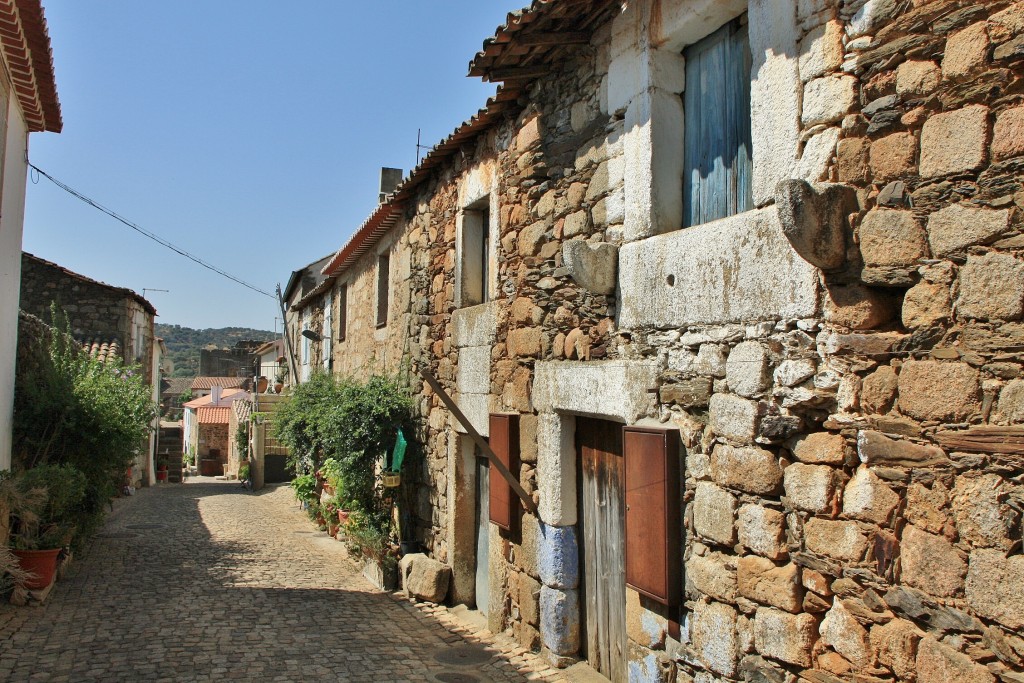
(717, 138)
(383, 280)
(325, 346)
(476, 254)
(342, 311)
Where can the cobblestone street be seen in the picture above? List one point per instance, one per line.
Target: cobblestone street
(204, 581)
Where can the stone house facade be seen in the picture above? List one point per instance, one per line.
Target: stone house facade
(306, 304)
(206, 429)
(98, 313)
(768, 251)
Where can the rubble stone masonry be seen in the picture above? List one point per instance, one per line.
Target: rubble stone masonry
(843, 362)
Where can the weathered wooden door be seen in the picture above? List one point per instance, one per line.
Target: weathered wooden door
(483, 528)
(601, 520)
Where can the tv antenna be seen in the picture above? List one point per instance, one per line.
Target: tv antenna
(419, 146)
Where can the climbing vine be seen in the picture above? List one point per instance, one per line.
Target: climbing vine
(352, 423)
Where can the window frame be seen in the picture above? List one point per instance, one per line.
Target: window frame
(732, 126)
(475, 253)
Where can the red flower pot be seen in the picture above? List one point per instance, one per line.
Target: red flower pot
(42, 564)
(161, 475)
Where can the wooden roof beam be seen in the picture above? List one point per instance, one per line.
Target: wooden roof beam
(537, 38)
(514, 73)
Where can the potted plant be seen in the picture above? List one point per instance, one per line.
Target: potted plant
(161, 470)
(282, 374)
(261, 384)
(43, 505)
(369, 536)
(331, 475)
(190, 460)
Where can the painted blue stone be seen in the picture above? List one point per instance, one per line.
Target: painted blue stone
(646, 670)
(560, 620)
(558, 557)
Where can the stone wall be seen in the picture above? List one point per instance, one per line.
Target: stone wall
(213, 436)
(838, 361)
(95, 311)
(850, 512)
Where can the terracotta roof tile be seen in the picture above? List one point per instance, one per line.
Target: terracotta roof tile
(25, 42)
(178, 385)
(102, 349)
(536, 36)
(225, 382)
(214, 415)
(243, 409)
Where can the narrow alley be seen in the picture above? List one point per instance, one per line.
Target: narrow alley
(205, 581)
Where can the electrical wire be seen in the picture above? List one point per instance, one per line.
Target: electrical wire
(156, 238)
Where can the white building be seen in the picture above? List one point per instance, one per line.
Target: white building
(28, 104)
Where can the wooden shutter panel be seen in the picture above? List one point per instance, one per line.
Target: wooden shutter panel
(653, 541)
(504, 441)
(717, 137)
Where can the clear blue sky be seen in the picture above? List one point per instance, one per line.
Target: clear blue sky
(250, 133)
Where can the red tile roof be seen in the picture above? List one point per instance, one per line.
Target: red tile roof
(225, 382)
(25, 43)
(217, 416)
(208, 399)
(102, 349)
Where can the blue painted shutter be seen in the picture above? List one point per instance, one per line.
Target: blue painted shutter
(717, 174)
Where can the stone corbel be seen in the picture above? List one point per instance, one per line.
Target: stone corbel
(592, 266)
(814, 220)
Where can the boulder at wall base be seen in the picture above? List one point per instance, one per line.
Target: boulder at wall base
(425, 578)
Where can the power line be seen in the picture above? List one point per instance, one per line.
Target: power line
(156, 238)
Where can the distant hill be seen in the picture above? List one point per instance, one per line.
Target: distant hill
(184, 343)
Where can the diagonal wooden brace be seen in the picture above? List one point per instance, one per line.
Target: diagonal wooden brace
(479, 440)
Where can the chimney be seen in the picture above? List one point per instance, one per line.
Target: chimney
(390, 178)
(215, 393)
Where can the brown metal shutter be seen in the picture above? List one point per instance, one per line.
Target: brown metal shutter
(504, 441)
(653, 542)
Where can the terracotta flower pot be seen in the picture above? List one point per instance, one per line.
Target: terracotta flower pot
(42, 564)
(261, 385)
(343, 517)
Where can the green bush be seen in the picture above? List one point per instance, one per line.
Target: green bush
(304, 488)
(71, 409)
(242, 441)
(348, 426)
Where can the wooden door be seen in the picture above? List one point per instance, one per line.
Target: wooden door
(483, 529)
(601, 474)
